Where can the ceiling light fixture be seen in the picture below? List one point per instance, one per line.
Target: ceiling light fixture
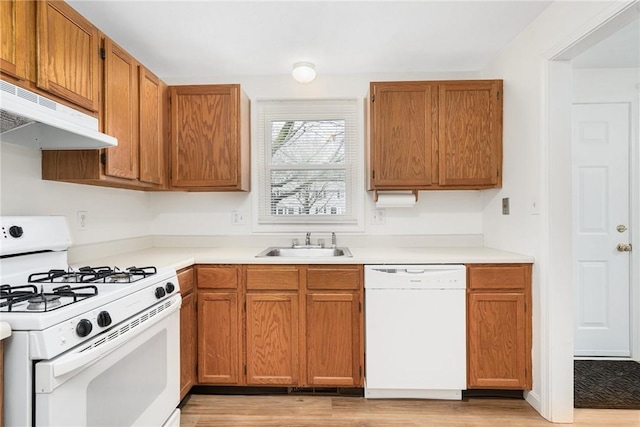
(304, 72)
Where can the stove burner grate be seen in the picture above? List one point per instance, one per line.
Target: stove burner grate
(12, 296)
(101, 274)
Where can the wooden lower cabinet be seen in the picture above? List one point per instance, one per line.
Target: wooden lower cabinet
(272, 339)
(333, 339)
(499, 327)
(188, 332)
(219, 352)
(280, 325)
(188, 339)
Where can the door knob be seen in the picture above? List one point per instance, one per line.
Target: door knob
(623, 248)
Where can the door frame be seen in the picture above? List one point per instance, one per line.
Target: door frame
(556, 320)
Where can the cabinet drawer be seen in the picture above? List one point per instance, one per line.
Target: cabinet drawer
(272, 278)
(218, 277)
(505, 276)
(334, 277)
(186, 279)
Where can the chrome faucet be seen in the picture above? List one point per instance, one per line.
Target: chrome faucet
(307, 240)
(333, 240)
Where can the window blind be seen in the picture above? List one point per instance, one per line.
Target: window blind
(307, 161)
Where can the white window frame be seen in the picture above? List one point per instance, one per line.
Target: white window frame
(268, 110)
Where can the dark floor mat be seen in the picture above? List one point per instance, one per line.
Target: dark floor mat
(606, 384)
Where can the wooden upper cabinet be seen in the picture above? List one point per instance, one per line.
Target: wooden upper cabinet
(209, 138)
(470, 133)
(121, 111)
(17, 38)
(134, 110)
(434, 135)
(67, 54)
(401, 143)
(152, 128)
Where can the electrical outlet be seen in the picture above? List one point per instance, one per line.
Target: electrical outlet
(378, 216)
(83, 219)
(237, 218)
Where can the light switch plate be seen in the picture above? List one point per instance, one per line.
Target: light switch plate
(505, 206)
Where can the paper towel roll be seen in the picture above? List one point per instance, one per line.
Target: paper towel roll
(396, 200)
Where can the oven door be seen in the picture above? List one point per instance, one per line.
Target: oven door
(127, 376)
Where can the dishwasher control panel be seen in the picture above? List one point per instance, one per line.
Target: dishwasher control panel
(412, 276)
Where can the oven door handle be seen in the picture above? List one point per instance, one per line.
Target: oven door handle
(123, 332)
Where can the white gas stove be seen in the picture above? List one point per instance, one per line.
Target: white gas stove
(88, 334)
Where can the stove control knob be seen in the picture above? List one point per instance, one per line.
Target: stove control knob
(160, 292)
(170, 287)
(104, 319)
(15, 231)
(83, 328)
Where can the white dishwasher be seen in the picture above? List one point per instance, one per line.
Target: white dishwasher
(415, 339)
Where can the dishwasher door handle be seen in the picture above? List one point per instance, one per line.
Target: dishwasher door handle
(414, 271)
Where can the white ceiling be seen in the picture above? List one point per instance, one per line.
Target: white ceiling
(182, 39)
(621, 49)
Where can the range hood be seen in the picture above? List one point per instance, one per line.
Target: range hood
(29, 119)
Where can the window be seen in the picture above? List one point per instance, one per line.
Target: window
(307, 161)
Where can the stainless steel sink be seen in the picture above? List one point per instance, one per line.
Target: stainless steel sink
(303, 251)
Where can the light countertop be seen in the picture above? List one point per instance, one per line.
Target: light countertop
(178, 258)
(5, 330)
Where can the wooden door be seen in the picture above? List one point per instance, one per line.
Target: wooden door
(470, 133)
(272, 339)
(497, 346)
(402, 135)
(121, 111)
(333, 340)
(205, 145)
(68, 56)
(152, 143)
(601, 183)
(17, 37)
(219, 338)
(188, 340)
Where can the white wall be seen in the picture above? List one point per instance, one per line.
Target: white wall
(120, 214)
(607, 85)
(112, 213)
(524, 67)
(441, 212)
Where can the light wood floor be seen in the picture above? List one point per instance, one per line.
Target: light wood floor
(296, 410)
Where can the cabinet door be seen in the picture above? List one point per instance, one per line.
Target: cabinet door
(152, 93)
(272, 339)
(205, 138)
(402, 135)
(17, 30)
(497, 341)
(188, 340)
(219, 338)
(121, 111)
(333, 340)
(470, 133)
(67, 52)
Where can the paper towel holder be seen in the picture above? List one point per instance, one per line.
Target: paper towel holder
(414, 192)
